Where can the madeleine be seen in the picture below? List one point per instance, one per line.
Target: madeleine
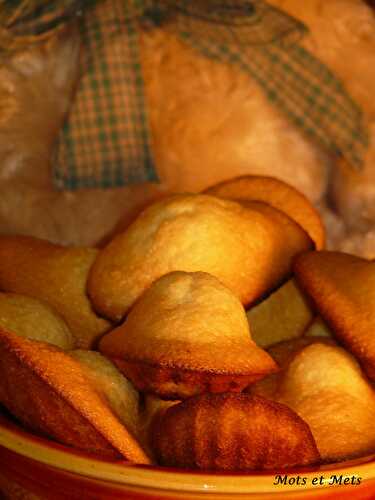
(187, 334)
(284, 315)
(54, 395)
(34, 319)
(247, 249)
(56, 275)
(342, 287)
(119, 392)
(283, 354)
(232, 432)
(326, 387)
(278, 194)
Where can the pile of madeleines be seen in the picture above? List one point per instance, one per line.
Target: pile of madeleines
(214, 332)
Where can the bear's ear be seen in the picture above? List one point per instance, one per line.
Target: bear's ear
(65, 63)
(37, 81)
(56, 58)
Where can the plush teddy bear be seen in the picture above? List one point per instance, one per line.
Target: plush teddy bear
(342, 35)
(209, 122)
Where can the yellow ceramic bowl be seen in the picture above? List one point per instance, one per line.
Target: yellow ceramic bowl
(51, 471)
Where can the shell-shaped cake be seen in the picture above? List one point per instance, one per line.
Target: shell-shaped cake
(278, 194)
(187, 334)
(53, 395)
(249, 249)
(233, 432)
(56, 275)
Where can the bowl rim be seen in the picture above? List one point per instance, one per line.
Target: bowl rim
(52, 454)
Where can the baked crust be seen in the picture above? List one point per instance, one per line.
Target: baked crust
(34, 319)
(283, 315)
(326, 387)
(175, 382)
(47, 390)
(249, 250)
(187, 333)
(283, 354)
(342, 287)
(278, 194)
(56, 275)
(232, 432)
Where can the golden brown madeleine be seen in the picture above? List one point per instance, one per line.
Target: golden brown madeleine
(187, 334)
(282, 353)
(284, 315)
(233, 432)
(34, 319)
(119, 392)
(278, 194)
(245, 248)
(56, 275)
(342, 288)
(288, 231)
(50, 393)
(326, 387)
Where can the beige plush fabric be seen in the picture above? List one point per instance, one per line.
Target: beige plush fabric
(209, 123)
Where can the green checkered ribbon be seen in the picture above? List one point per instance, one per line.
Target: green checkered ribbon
(263, 41)
(106, 140)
